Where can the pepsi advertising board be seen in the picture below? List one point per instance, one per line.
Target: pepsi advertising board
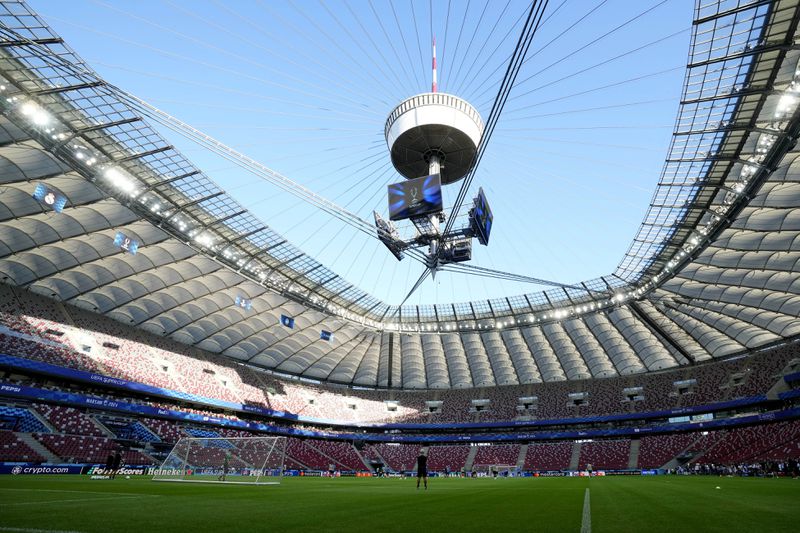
(417, 197)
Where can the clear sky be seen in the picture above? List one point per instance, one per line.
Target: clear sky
(305, 87)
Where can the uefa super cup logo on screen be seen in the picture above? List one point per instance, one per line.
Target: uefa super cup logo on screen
(414, 201)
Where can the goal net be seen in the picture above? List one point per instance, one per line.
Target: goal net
(488, 470)
(239, 460)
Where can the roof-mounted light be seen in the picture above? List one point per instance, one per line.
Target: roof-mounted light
(120, 179)
(786, 104)
(204, 239)
(35, 113)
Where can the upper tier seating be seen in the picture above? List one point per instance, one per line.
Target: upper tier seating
(69, 420)
(34, 327)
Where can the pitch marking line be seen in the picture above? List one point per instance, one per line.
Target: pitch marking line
(586, 522)
(48, 502)
(28, 530)
(75, 492)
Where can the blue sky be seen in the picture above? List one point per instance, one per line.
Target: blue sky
(304, 87)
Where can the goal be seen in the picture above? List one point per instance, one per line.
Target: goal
(237, 460)
(487, 470)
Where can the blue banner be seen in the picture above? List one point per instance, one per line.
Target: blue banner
(35, 469)
(792, 378)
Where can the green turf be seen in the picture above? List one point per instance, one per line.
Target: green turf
(618, 504)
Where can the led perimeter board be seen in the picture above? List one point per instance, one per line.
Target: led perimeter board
(417, 197)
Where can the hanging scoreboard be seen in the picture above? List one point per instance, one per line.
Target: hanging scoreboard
(417, 197)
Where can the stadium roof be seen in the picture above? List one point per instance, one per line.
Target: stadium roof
(712, 271)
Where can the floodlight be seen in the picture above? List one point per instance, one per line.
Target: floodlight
(35, 113)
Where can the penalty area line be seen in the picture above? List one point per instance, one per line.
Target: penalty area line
(586, 521)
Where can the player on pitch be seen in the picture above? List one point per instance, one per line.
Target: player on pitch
(422, 467)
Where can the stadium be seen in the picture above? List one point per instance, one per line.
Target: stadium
(268, 266)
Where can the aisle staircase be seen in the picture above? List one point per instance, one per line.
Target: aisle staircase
(43, 419)
(633, 458)
(364, 460)
(575, 460)
(39, 448)
(340, 464)
(473, 451)
(523, 452)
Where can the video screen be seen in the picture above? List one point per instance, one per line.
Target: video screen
(481, 218)
(417, 197)
(287, 321)
(125, 243)
(244, 303)
(50, 197)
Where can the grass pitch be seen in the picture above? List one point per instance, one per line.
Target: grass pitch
(618, 504)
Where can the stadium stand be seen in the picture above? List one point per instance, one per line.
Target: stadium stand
(69, 420)
(20, 419)
(605, 455)
(13, 449)
(343, 453)
(38, 330)
(167, 431)
(306, 454)
(657, 451)
(80, 438)
(452, 458)
(752, 444)
(497, 454)
(548, 456)
(88, 449)
(396, 457)
(107, 347)
(128, 429)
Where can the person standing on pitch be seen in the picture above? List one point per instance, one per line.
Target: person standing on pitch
(422, 467)
(116, 464)
(225, 463)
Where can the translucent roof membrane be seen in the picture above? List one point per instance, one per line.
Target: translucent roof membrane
(707, 143)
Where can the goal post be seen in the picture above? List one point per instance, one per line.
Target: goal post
(229, 460)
